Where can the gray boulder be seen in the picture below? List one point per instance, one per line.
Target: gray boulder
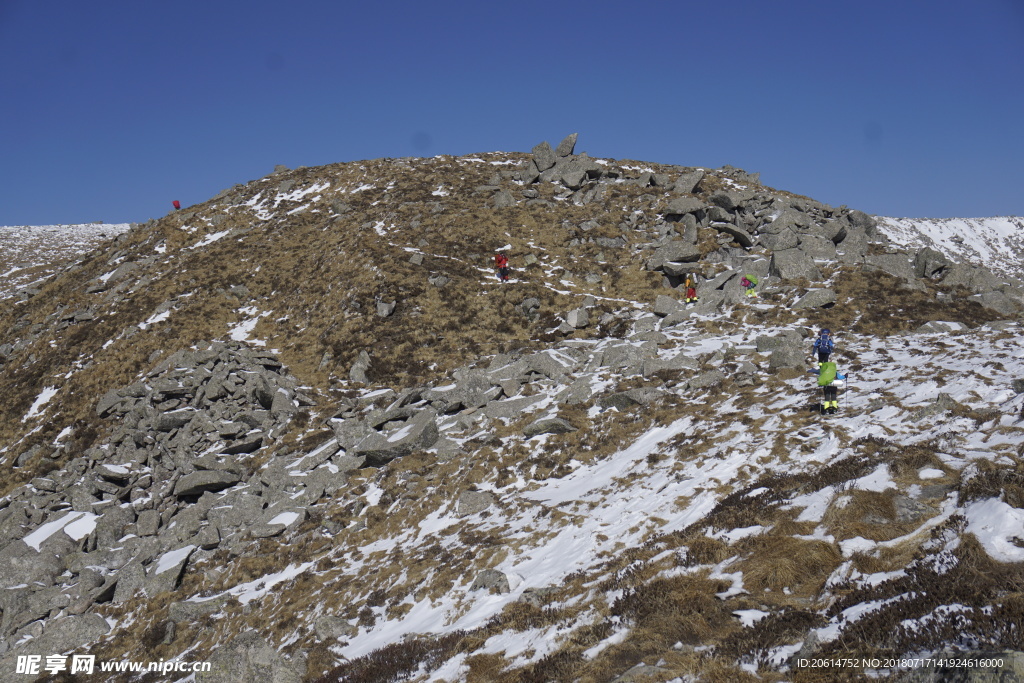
(789, 219)
(787, 356)
(836, 229)
(730, 201)
(148, 523)
(549, 425)
(942, 403)
(678, 362)
(720, 281)
(491, 580)
(576, 393)
(250, 658)
(110, 401)
(174, 419)
(578, 317)
(332, 628)
(385, 309)
(768, 343)
(816, 298)
(626, 356)
(503, 199)
(741, 236)
(165, 574)
(529, 173)
(940, 327)
(818, 247)
(574, 171)
(199, 482)
(130, 580)
(63, 635)
(863, 221)
(998, 302)
(111, 525)
(680, 206)
(897, 265)
(512, 408)
(711, 378)
(791, 264)
(350, 432)
(676, 251)
(567, 145)
(717, 214)
(381, 448)
(360, 368)
(973, 278)
(688, 182)
(553, 364)
(208, 537)
(619, 401)
(667, 305)
(187, 611)
(537, 596)
(544, 157)
(471, 390)
(854, 246)
(784, 239)
(473, 502)
(624, 400)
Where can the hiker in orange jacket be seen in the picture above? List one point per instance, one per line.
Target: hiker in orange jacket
(691, 291)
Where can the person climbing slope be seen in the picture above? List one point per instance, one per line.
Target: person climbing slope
(830, 380)
(824, 345)
(501, 264)
(749, 283)
(691, 290)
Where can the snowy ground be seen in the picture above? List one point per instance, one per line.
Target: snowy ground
(630, 498)
(30, 254)
(997, 242)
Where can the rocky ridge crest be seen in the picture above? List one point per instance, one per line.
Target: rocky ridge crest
(157, 499)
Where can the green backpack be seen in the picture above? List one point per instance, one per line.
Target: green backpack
(826, 374)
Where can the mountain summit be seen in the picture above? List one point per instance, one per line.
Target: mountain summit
(301, 431)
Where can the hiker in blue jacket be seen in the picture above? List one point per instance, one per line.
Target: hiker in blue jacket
(829, 379)
(824, 345)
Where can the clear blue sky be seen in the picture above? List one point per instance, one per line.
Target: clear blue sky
(110, 110)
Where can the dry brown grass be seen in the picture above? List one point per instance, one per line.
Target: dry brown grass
(995, 480)
(876, 303)
(323, 298)
(783, 562)
(868, 514)
(988, 593)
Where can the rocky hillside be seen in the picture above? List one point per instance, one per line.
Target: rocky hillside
(301, 431)
(997, 243)
(31, 254)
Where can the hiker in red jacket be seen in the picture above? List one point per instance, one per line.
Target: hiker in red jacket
(501, 263)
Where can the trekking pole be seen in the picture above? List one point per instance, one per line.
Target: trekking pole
(846, 387)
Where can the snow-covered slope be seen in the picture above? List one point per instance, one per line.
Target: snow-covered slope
(30, 254)
(996, 242)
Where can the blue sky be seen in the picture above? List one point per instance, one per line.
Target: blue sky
(111, 110)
